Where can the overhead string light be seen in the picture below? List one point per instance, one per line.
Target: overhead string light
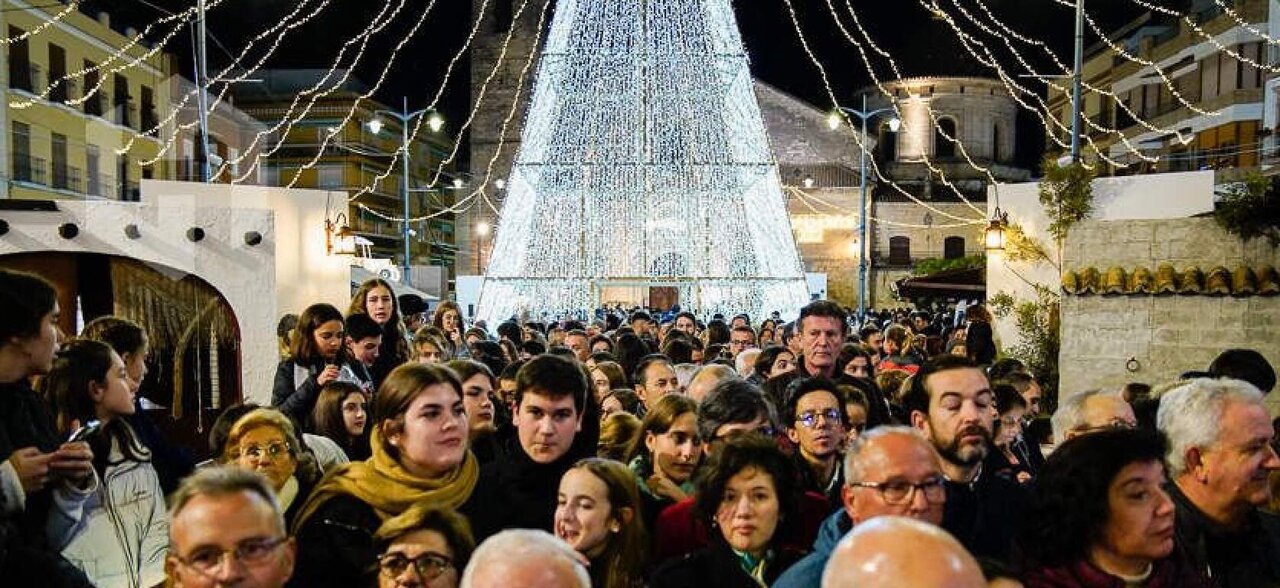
(283, 27)
(807, 198)
(50, 21)
(644, 162)
(826, 82)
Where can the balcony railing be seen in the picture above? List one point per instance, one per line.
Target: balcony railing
(29, 169)
(66, 178)
(24, 76)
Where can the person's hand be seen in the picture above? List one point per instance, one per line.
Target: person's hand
(32, 467)
(72, 461)
(455, 336)
(329, 374)
(665, 488)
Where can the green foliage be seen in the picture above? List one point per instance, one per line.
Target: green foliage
(928, 267)
(1039, 326)
(1019, 246)
(1252, 208)
(1066, 194)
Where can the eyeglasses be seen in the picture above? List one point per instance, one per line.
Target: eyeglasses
(1114, 424)
(902, 492)
(763, 430)
(809, 418)
(249, 552)
(429, 565)
(273, 450)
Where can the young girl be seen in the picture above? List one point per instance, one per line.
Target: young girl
(123, 535)
(376, 299)
(316, 360)
(342, 414)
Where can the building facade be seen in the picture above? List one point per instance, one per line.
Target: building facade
(297, 155)
(1210, 105)
(81, 119)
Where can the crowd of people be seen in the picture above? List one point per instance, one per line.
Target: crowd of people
(403, 448)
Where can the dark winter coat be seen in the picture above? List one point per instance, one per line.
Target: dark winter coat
(717, 565)
(1230, 558)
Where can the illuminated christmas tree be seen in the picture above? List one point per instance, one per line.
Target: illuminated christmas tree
(643, 164)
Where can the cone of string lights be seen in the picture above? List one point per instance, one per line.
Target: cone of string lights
(643, 164)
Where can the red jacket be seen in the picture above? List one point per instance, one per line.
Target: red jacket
(679, 532)
(1167, 573)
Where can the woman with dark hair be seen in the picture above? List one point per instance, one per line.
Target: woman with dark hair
(424, 546)
(606, 376)
(478, 385)
(317, 359)
(1005, 461)
(33, 459)
(377, 299)
(448, 318)
(1099, 517)
(420, 456)
(342, 414)
(664, 454)
(854, 361)
(597, 514)
(717, 333)
(619, 400)
(122, 535)
(774, 361)
(629, 351)
(979, 342)
(743, 492)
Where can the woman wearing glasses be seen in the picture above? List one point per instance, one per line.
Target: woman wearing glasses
(1100, 517)
(1006, 460)
(423, 547)
(264, 441)
(746, 489)
(420, 456)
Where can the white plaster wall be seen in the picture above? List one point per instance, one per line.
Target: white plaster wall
(305, 273)
(244, 275)
(1152, 196)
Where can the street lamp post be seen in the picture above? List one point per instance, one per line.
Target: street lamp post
(482, 230)
(405, 117)
(834, 122)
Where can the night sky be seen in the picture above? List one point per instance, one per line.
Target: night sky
(921, 44)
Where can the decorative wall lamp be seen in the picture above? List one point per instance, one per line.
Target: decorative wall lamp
(995, 231)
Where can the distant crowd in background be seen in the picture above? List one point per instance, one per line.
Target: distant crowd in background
(403, 447)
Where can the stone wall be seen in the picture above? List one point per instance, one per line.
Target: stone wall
(1167, 334)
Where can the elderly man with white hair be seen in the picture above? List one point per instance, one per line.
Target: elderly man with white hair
(893, 551)
(1090, 411)
(525, 557)
(1220, 458)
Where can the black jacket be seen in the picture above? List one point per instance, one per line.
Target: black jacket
(1232, 558)
(515, 492)
(984, 515)
(717, 565)
(335, 545)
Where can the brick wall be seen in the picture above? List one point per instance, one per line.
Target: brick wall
(1169, 334)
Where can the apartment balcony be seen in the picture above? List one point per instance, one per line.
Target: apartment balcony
(31, 170)
(24, 76)
(65, 178)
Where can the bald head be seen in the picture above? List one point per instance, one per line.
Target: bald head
(887, 457)
(707, 378)
(525, 557)
(898, 552)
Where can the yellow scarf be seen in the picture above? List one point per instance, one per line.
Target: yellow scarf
(382, 483)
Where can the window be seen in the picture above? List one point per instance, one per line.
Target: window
(57, 71)
(22, 171)
(149, 119)
(995, 143)
(92, 169)
(503, 16)
(59, 156)
(329, 176)
(942, 145)
(887, 148)
(94, 104)
(953, 247)
(899, 250)
(120, 100)
(19, 62)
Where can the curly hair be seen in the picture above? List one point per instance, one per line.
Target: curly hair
(740, 453)
(1069, 504)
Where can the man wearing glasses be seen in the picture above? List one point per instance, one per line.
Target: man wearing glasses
(891, 470)
(226, 530)
(951, 402)
(814, 419)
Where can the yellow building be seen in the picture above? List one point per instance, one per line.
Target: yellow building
(61, 144)
(1210, 112)
(355, 159)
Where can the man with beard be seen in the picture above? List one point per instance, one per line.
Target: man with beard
(950, 401)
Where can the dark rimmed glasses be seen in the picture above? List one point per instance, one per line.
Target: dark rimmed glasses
(429, 565)
(902, 491)
(249, 552)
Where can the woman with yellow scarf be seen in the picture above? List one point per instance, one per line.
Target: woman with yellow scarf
(420, 456)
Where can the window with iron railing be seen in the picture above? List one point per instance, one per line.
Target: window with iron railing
(19, 62)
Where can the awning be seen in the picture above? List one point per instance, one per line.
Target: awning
(963, 283)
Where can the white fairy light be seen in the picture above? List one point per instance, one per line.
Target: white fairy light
(51, 19)
(643, 162)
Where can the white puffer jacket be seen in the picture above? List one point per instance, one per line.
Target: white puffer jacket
(123, 536)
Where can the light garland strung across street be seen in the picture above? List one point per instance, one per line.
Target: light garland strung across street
(51, 20)
(806, 197)
(643, 163)
(43, 97)
(826, 82)
(287, 121)
(283, 27)
(991, 61)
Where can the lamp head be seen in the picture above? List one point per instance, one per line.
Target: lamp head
(895, 123)
(435, 122)
(375, 126)
(833, 121)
